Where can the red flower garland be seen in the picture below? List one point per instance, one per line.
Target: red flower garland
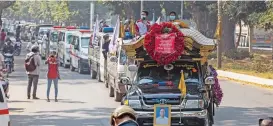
(149, 43)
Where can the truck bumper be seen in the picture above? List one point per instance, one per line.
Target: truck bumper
(188, 118)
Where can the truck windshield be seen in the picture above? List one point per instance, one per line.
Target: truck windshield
(85, 42)
(69, 38)
(54, 37)
(153, 74)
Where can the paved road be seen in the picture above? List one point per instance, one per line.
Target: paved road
(85, 102)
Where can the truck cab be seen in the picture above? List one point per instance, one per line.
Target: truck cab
(96, 58)
(64, 44)
(41, 30)
(53, 38)
(79, 51)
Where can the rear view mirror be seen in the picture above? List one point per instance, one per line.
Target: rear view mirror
(113, 59)
(210, 81)
(132, 68)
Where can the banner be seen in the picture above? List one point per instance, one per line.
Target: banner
(164, 43)
(113, 43)
(95, 30)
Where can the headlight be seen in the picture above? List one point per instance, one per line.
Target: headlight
(133, 103)
(194, 104)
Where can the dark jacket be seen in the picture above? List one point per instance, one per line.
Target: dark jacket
(129, 123)
(8, 49)
(105, 48)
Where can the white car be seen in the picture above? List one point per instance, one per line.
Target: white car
(4, 111)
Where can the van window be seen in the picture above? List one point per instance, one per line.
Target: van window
(1, 96)
(69, 38)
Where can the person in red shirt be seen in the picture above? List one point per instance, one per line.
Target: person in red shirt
(143, 25)
(53, 74)
(2, 38)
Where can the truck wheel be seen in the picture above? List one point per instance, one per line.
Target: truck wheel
(118, 96)
(71, 67)
(111, 91)
(93, 74)
(80, 68)
(98, 75)
(106, 82)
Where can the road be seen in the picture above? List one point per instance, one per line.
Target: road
(85, 102)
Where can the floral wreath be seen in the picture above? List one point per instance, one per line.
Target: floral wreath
(163, 28)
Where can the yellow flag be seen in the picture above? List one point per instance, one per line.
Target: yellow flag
(218, 31)
(121, 31)
(132, 27)
(182, 85)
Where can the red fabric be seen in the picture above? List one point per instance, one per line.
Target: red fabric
(140, 20)
(52, 68)
(3, 36)
(4, 112)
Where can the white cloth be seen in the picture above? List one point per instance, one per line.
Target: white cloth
(162, 121)
(142, 28)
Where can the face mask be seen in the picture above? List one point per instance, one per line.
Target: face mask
(172, 17)
(143, 17)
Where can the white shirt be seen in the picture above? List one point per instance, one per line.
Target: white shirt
(29, 45)
(142, 28)
(162, 121)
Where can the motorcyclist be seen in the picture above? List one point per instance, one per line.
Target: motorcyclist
(31, 43)
(8, 48)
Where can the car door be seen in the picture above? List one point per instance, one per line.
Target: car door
(77, 50)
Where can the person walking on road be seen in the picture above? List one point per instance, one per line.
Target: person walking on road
(2, 38)
(32, 43)
(32, 65)
(53, 74)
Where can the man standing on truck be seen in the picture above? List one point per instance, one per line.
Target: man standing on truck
(105, 46)
(143, 25)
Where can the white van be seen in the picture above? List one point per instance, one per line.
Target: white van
(4, 111)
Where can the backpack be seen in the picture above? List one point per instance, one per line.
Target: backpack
(30, 64)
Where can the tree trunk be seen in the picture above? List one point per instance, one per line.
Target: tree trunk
(1, 11)
(240, 33)
(228, 33)
(250, 31)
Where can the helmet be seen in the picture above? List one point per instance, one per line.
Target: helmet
(121, 110)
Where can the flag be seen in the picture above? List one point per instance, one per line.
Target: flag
(113, 43)
(153, 21)
(182, 85)
(132, 27)
(121, 30)
(158, 20)
(95, 30)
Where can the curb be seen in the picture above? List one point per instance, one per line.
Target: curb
(246, 79)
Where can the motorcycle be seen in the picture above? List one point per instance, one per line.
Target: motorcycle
(5, 83)
(17, 48)
(8, 61)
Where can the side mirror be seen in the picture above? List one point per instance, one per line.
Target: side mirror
(76, 47)
(132, 68)
(210, 81)
(113, 59)
(125, 80)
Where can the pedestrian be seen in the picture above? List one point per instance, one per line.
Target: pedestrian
(123, 116)
(172, 16)
(2, 38)
(143, 25)
(52, 74)
(32, 65)
(31, 43)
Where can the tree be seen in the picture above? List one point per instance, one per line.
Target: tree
(4, 5)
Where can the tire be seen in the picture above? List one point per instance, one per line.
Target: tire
(118, 96)
(98, 75)
(79, 68)
(93, 74)
(71, 66)
(106, 82)
(111, 91)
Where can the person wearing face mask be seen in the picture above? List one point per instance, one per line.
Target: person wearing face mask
(30, 44)
(143, 25)
(172, 16)
(123, 116)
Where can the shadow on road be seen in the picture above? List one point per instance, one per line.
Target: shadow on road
(238, 116)
(90, 118)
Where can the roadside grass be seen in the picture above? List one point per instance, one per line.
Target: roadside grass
(261, 67)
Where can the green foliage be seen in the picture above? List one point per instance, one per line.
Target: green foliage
(262, 64)
(213, 55)
(237, 54)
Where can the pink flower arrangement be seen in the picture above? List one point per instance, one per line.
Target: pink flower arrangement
(217, 90)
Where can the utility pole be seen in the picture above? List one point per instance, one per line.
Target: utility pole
(182, 8)
(91, 14)
(141, 6)
(219, 50)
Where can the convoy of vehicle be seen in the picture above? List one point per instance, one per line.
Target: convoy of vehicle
(79, 51)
